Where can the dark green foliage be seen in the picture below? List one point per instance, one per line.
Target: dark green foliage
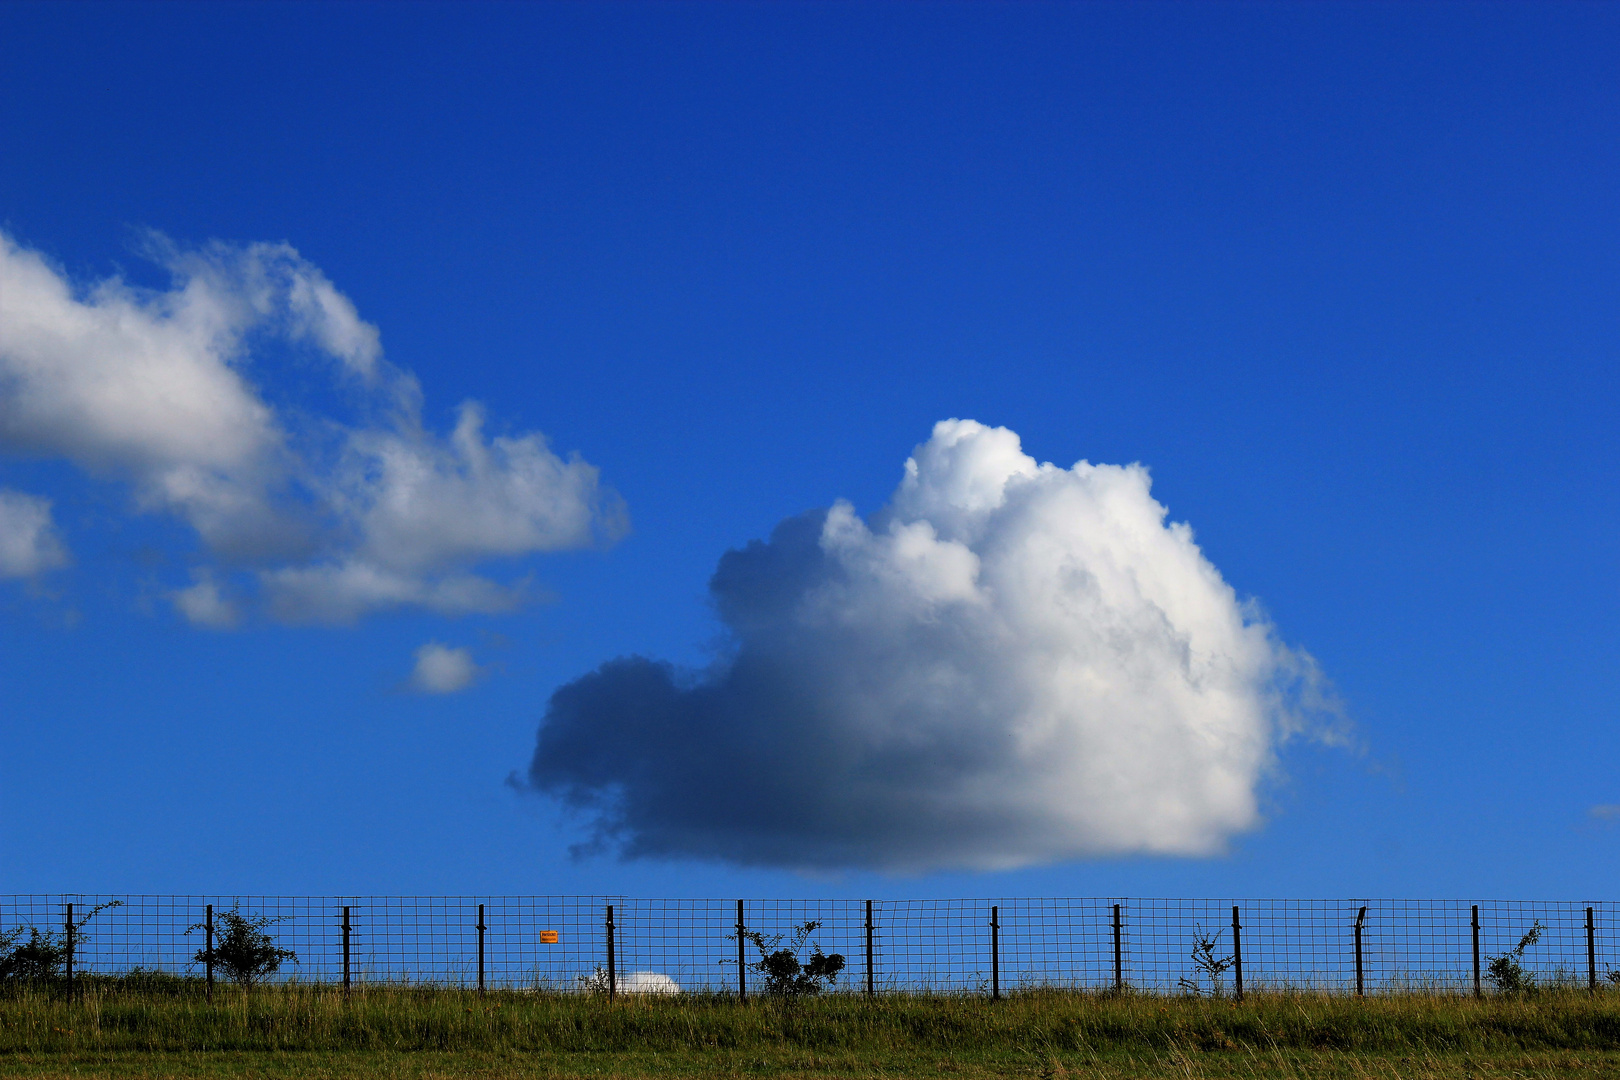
(43, 956)
(1507, 972)
(243, 952)
(786, 975)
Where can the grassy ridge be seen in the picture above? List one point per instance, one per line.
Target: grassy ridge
(1027, 1034)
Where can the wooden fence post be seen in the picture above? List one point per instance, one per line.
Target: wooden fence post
(480, 948)
(68, 937)
(1478, 990)
(613, 974)
(995, 953)
(1360, 918)
(742, 968)
(208, 932)
(871, 988)
(1591, 954)
(1237, 952)
(1119, 956)
(345, 953)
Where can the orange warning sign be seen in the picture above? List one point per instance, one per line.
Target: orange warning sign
(548, 937)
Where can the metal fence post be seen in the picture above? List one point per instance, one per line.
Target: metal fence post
(613, 974)
(870, 982)
(1478, 991)
(1119, 956)
(1361, 989)
(345, 953)
(742, 968)
(995, 953)
(1591, 954)
(69, 940)
(1237, 952)
(480, 948)
(208, 961)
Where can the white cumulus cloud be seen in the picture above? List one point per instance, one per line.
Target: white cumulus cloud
(1012, 663)
(441, 669)
(169, 390)
(29, 545)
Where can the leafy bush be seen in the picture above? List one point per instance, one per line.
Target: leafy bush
(1507, 972)
(42, 957)
(242, 950)
(786, 976)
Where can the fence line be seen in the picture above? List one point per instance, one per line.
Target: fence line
(946, 946)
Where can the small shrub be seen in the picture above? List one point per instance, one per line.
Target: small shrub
(785, 974)
(1205, 962)
(242, 950)
(42, 957)
(594, 983)
(1506, 971)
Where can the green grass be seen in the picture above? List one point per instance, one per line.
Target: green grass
(164, 1028)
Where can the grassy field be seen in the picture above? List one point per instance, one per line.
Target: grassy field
(424, 1032)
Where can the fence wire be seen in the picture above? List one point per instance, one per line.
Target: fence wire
(561, 943)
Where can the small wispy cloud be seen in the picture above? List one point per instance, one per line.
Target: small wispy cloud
(1604, 811)
(441, 669)
(29, 545)
(204, 604)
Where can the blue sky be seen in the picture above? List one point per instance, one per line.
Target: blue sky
(1343, 277)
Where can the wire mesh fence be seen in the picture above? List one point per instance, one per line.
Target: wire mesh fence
(565, 943)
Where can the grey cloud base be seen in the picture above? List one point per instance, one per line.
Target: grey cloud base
(754, 762)
(1011, 664)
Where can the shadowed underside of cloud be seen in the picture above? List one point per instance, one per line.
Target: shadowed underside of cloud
(324, 519)
(1012, 663)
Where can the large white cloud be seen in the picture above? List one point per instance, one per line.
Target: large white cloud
(1012, 663)
(29, 545)
(168, 390)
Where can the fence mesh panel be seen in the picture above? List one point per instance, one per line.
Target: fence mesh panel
(560, 943)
